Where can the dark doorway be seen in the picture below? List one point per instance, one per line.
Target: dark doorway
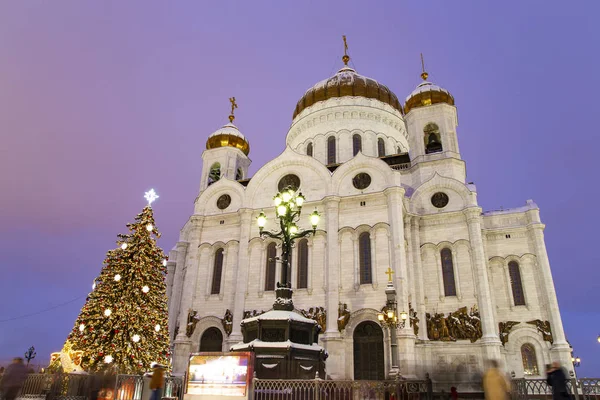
(211, 340)
(368, 352)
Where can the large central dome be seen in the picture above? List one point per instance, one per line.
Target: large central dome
(347, 83)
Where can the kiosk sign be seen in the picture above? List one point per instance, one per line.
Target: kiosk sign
(213, 375)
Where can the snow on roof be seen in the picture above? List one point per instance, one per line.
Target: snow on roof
(229, 129)
(530, 205)
(280, 315)
(257, 344)
(427, 87)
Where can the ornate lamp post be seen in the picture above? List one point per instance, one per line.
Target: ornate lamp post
(288, 204)
(576, 361)
(388, 317)
(30, 354)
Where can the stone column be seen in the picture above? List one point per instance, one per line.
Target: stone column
(176, 292)
(170, 279)
(418, 268)
(243, 261)
(490, 339)
(332, 339)
(560, 348)
(406, 337)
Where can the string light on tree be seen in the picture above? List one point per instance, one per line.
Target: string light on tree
(114, 306)
(164, 263)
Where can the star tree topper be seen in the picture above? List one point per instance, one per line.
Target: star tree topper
(150, 196)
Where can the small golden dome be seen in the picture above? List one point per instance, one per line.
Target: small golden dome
(347, 83)
(427, 94)
(228, 136)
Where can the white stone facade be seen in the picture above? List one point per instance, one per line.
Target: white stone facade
(407, 233)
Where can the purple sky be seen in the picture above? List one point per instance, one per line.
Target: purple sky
(100, 101)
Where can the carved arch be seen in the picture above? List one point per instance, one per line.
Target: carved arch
(204, 324)
(420, 199)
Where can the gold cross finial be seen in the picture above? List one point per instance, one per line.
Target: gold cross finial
(424, 74)
(233, 107)
(389, 273)
(346, 57)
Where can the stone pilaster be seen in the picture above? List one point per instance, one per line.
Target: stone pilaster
(490, 339)
(332, 205)
(177, 290)
(243, 260)
(418, 268)
(560, 348)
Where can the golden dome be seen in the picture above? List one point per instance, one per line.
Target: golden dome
(228, 136)
(427, 94)
(347, 83)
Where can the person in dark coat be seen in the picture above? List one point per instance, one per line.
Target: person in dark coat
(557, 379)
(13, 379)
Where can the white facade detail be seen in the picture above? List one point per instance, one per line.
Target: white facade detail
(407, 233)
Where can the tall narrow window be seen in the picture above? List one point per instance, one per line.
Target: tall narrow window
(302, 264)
(239, 174)
(516, 283)
(309, 149)
(270, 270)
(217, 272)
(448, 273)
(530, 366)
(356, 144)
(215, 173)
(331, 150)
(380, 147)
(364, 257)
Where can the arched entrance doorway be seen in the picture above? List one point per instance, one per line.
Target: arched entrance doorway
(211, 340)
(368, 352)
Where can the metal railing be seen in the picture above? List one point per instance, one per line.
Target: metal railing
(580, 389)
(84, 387)
(317, 389)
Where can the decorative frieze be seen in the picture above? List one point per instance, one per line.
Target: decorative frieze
(544, 328)
(504, 329)
(227, 322)
(458, 325)
(343, 316)
(318, 314)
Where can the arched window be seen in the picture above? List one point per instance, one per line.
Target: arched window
(530, 366)
(211, 340)
(215, 173)
(356, 144)
(217, 272)
(364, 257)
(432, 138)
(448, 272)
(302, 264)
(516, 283)
(270, 270)
(239, 174)
(309, 149)
(331, 150)
(380, 147)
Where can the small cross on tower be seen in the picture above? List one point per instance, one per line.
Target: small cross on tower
(389, 273)
(233, 107)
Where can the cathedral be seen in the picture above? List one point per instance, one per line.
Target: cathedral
(396, 210)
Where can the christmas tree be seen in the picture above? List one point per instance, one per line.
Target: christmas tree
(123, 324)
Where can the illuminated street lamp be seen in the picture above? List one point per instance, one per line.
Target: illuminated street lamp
(388, 317)
(576, 361)
(288, 203)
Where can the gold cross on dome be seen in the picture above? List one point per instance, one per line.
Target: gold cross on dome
(389, 273)
(345, 58)
(233, 107)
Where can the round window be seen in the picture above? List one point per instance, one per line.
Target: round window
(289, 181)
(224, 201)
(361, 181)
(439, 200)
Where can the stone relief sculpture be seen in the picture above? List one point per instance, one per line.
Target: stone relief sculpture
(192, 320)
(318, 314)
(414, 320)
(227, 322)
(253, 313)
(504, 329)
(458, 325)
(544, 328)
(343, 316)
